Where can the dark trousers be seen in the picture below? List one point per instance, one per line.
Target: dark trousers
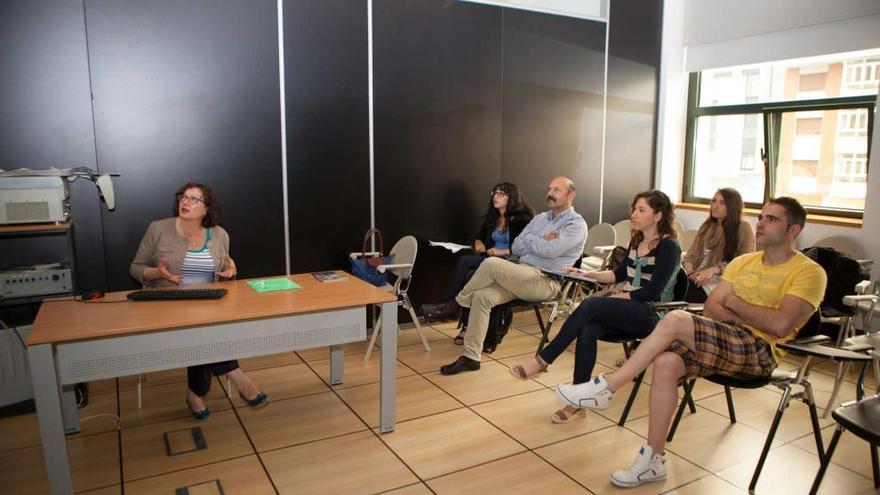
(599, 318)
(199, 377)
(695, 294)
(464, 267)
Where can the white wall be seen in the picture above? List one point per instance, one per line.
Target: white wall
(717, 33)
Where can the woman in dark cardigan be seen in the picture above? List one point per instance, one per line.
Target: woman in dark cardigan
(507, 215)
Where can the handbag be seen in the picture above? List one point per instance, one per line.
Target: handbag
(364, 265)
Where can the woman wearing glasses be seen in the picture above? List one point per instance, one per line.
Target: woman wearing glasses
(507, 215)
(190, 248)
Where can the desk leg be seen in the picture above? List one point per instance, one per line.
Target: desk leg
(388, 376)
(69, 410)
(337, 364)
(48, 401)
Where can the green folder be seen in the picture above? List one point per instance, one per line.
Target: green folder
(273, 284)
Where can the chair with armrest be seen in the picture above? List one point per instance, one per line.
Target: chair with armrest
(403, 257)
(623, 231)
(601, 239)
(808, 345)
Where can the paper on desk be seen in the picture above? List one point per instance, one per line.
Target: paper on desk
(449, 245)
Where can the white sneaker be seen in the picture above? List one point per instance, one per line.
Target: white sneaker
(593, 394)
(648, 466)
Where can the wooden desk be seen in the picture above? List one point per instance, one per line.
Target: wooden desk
(74, 342)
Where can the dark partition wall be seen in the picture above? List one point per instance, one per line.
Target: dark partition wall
(188, 91)
(633, 71)
(552, 112)
(325, 58)
(46, 117)
(437, 79)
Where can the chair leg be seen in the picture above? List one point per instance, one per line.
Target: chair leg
(228, 388)
(632, 398)
(377, 327)
(688, 388)
(783, 403)
(140, 392)
(875, 465)
(729, 396)
(842, 369)
(814, 418)
(826, 460)
(415, 319)
(545, 329)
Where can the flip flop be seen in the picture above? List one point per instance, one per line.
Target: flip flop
(560, 417)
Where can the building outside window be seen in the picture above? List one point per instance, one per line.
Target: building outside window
(798, 128)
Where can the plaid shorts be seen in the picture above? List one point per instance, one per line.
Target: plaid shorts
(725, 349)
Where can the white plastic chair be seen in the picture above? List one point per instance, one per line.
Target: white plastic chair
(686, 239)
(403, 258)
(623, 229)
(601, 239)
(679, 227)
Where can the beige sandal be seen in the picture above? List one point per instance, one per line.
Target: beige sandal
(518, 371)
(561, 416)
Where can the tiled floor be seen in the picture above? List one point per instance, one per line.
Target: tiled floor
(480, 432)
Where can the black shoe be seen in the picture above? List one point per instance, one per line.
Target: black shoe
(199, 415)
(460, 364)
(446, 310)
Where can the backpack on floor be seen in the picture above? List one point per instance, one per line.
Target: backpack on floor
(499, 323)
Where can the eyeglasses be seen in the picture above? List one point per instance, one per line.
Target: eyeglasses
(189, 199)
(498, 192)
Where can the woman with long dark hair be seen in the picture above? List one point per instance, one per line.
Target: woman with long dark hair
(649, 271)
(722, 237)
(506, 216)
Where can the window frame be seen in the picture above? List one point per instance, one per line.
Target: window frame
(771, 112)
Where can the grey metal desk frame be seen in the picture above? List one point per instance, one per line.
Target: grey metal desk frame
(55, 365)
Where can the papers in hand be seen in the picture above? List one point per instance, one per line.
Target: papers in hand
(449, 245)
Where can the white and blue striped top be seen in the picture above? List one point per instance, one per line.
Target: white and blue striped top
(198, 265)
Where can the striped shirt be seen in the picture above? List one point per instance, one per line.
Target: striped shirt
(651, 277)
(198, 264)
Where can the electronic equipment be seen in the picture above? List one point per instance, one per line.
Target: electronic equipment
(33, 200)
(35, 281)
(159, 294)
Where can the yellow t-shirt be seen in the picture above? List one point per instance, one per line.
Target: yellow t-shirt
(763, 285)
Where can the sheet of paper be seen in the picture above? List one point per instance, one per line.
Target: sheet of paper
(449, 245)
(273, 284)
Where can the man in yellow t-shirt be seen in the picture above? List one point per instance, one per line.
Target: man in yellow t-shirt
(763, 298)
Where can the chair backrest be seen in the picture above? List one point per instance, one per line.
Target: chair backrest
(404, 251)
(686, 239)
(843, 244)
(679, 227)
(601, 234)
(679, 292)
(623, 229)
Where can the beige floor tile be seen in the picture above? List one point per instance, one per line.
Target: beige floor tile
(592, 458)
(21, 430)
(823, 385)
(527, 418)
(639, 408)
(561, 371)
(709, 440)
(778, 476)
(442, 352)
(709, 484)
(94, 463)
(270, 361)
(303, 419)
(756, 408)
(417, 489)
(416, 397)
(319, 353)
(99, 416)
(523, 473)
(448, 328)
(409, 336)
(516, 343)
(166, 402)
(357, 372)
(492, 381)
(851, 452)
(356, 463)
(282, 382)
(144, 449)
(448, 442)
(242, 475)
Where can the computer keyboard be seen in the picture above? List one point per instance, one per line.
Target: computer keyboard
(159, 294)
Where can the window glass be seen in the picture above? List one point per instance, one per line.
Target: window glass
(728, 154)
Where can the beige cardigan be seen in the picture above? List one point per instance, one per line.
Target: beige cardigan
(746, 245)
(163, 242)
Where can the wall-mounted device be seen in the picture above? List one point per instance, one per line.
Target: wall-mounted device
(38, 196)
(40, 280)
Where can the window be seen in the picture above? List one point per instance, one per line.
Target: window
(798, 128)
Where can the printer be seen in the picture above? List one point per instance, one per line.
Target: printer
(39, 196)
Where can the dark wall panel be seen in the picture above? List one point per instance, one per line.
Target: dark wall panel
(552, 124)
(437, 80)
(46, 115)
(189, 91)
(633, 71)
(325, 57)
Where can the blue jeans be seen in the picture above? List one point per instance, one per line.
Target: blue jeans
(599, 318)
